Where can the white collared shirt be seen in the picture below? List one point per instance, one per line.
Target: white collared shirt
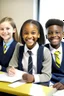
(34, 58)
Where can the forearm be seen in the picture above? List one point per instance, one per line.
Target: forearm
(46, 68)
(42, 77)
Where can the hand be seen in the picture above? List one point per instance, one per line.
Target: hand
(28, 78)
(11, 71)
(58, 86)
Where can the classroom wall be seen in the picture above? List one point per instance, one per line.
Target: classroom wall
(19, 10)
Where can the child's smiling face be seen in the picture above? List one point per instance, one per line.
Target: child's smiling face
(54, 35)
(6, 31)
(30, 35)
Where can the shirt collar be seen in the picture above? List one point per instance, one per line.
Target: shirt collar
(53, 49)
(8, 43)
(34, 49)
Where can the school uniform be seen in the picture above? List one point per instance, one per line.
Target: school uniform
(57, 73)
(5, 58)
(41, 72)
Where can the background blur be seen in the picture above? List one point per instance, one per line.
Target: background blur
(41, 10)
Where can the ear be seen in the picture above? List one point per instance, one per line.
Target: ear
(38, 35)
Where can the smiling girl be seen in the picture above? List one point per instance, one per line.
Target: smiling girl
(8, 41)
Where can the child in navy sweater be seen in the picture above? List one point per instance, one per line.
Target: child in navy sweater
(8, 41)
(54, 35)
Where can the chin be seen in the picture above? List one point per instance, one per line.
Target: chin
(54, 44)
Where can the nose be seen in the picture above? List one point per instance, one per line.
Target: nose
(4, 30)
(29, 35)
(53, 34)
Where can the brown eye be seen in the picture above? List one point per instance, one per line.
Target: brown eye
(57, 32)
(33, 32)
(1, 29)
(7, 28)
(50, 32)
(25, 32)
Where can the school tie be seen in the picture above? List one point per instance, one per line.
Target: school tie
(57, 59)
(30, 62)
(4, 48)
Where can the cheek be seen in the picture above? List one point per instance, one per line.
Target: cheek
(10, 33)
(24, 37)
(60, 36)
(1, 32)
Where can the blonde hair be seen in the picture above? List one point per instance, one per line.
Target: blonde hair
(12, 23)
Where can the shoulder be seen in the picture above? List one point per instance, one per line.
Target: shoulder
(47, 55)
(46, 51)
(47, 45)
(18, 45)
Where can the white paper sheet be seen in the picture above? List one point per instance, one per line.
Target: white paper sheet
(59, 93)
(36, 90)
(18, 76)
(16, 84)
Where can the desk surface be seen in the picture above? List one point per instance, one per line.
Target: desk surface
(23, 90)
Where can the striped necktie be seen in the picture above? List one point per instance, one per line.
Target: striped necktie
(57, 59)
(5, 48)
(30, 63)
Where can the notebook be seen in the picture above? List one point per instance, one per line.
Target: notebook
(6, 78)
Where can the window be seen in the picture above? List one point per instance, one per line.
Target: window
(50, 9)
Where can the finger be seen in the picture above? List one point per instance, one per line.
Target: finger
(24, 76)
(11, 72)
(57, 86)
(62, 87)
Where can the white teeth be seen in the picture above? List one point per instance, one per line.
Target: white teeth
(55, 40)
(30, 40)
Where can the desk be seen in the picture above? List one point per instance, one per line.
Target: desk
(22, 90)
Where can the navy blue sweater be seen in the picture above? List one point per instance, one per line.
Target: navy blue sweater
(57, 73)
(5, 58)
(40, 59)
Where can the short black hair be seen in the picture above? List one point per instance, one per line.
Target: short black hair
(54, 22)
